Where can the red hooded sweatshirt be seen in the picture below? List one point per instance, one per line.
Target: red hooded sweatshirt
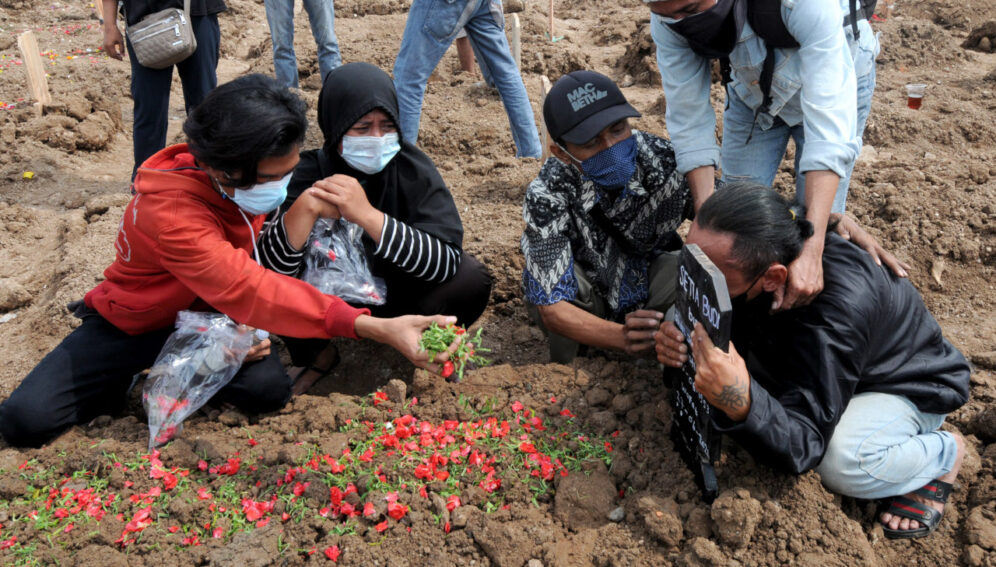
(181, 245)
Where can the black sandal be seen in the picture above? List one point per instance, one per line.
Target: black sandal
(929, 518)
(303, 382)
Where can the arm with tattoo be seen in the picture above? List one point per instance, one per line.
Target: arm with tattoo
(721, 376)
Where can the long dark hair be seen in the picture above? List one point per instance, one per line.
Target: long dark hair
(765, 228)
(244, 121)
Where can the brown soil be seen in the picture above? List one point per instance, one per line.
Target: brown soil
(926, 186)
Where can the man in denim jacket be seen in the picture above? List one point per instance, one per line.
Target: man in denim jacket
(820, 96)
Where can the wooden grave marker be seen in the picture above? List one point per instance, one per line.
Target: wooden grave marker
(702, 298)
(544, 90)
(37, 83)
(551, 20)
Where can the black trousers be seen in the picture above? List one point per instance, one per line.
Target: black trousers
(465, 295)
(150, 88)
(90, 371)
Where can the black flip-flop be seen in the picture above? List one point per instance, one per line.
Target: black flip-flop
(928, 517)
(322, 372)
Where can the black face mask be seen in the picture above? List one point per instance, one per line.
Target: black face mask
(713, 33)
(740, 303)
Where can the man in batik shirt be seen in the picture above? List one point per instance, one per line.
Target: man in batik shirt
(600, 243)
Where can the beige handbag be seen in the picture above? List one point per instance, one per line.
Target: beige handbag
(163, 38)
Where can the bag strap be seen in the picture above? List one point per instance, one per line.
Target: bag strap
(186, 9)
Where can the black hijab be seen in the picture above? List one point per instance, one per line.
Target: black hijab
(409, 188)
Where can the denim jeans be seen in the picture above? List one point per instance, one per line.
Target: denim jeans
(431, 28)
(759, 160)
(280, 16)
(884, 446)
(150, 88)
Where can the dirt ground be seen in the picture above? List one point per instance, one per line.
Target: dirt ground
(925, 185)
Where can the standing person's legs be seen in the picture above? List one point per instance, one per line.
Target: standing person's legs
(758, 160)
(87, 375)
(429, 31)
(150, 93)
(198, 73)
(280, 17)
(486, 30)
(321, 15)
(884, 446)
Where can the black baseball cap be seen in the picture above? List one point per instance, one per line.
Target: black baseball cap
(583, 103)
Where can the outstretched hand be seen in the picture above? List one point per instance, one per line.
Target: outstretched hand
(403, 334)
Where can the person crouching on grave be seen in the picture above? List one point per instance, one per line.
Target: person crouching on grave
(187, 241)
(367, 174)
(856, 384)
(600, 241)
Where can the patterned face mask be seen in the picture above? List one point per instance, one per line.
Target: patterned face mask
(612, 167)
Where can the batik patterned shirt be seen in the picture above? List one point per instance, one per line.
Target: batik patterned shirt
(561, 232)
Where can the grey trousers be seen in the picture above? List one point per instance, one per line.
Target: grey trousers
(663, 274)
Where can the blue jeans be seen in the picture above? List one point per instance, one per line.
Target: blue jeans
(759, 161)
(150, 88)
(431, 28)
(884, 446)
(280, 17)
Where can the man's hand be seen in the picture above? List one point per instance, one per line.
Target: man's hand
(670, 345)
(403, 333)
(721, 376)
(851, 230)
(258, 351)
(639, 328)
(805, 278)
(113, 40)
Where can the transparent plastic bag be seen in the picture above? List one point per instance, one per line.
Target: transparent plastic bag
(336, 263)
(198, 359)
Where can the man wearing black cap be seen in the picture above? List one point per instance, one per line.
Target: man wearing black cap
(600, 219)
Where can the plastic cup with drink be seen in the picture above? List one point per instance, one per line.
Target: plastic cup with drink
(914, 95)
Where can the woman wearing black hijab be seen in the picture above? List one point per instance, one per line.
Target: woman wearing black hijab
(369, 176)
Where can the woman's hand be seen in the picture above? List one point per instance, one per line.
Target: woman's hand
(670, 345)
(851, 230)
(403, 334)
(347, 194)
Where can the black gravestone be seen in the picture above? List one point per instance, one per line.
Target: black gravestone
(702, 298)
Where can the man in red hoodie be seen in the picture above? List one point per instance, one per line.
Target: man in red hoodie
(187, 241)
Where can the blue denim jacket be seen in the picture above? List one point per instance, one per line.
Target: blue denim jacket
(813, 84)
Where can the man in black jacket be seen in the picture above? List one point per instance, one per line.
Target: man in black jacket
(855, 385)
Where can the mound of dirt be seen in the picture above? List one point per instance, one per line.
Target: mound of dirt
(925, 186)
(982, 38)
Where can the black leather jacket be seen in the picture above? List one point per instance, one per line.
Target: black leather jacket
(867, 331)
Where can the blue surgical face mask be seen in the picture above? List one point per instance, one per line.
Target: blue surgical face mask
(613, 166)
(261, 198)
(370, 154)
